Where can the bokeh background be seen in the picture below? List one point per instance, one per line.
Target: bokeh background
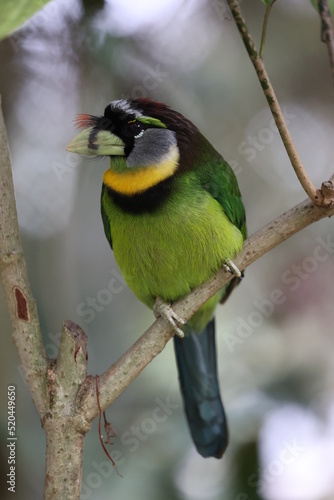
(275, 334)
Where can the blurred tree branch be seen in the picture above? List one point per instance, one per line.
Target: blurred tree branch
(327, 31)
(316, 195)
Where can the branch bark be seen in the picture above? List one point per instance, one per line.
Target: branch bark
(64, 440)
(316, 195)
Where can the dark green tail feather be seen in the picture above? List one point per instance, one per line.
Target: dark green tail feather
(196, 362)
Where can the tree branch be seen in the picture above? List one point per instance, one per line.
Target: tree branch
(22, 307)
(316, 195)
(53, 384)
(64, 442)
(327, 31)
(114, 380)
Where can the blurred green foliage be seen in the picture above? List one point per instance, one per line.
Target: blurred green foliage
(13, 15)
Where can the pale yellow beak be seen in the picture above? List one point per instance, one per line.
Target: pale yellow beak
(102, 143)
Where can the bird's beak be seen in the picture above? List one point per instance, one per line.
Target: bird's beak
(96, 142)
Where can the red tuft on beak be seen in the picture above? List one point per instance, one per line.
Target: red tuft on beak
(85, 121)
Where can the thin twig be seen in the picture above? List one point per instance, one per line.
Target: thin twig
(100, 433)
(116, 379)
(315, 195)
(264, 27)
(327, 31)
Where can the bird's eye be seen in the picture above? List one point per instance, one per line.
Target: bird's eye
(135, 128)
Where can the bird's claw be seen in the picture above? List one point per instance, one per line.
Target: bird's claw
(232, 268)
(164, 310)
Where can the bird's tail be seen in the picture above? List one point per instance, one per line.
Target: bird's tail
(196, 362)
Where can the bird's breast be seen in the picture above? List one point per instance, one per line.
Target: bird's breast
(168, 252)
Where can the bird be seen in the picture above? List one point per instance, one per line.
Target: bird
(173, 215)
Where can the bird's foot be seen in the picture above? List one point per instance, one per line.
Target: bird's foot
(232, 268)
(164, 310)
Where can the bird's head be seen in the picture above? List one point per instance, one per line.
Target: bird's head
(146, 140)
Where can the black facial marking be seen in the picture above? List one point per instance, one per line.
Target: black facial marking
(91, 139)
(122, 124)
(146, 201)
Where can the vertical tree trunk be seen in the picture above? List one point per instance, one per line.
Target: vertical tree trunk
(64, 452)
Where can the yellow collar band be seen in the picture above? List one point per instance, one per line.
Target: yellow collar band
(137, 180)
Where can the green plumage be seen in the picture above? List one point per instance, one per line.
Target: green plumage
(172, 234)
(185, 241)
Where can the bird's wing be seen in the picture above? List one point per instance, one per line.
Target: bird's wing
(220, 181)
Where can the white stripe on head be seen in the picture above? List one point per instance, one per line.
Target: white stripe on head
(123, 105)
